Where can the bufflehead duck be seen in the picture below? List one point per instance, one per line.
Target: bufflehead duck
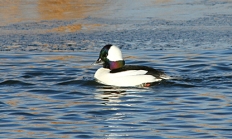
(115, 73)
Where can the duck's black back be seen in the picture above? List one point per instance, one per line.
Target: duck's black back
(151, 71)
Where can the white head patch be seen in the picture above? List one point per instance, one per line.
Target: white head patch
(114, 53)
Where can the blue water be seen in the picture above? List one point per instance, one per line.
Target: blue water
(54, 95)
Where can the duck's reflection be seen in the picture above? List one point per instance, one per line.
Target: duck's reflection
(118, 109)
(112, 95)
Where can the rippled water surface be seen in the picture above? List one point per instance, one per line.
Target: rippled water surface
(47, 89)
(54, 95)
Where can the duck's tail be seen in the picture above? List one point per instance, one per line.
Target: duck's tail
(166, 77)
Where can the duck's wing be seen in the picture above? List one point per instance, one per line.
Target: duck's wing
(139, 70)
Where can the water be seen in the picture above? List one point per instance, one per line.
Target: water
(54, 95)
(47, 89)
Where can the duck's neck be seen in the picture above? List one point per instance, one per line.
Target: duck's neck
(114, 64)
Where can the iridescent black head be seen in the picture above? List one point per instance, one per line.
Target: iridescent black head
(111, 57)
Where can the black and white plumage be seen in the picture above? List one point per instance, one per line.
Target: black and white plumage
(115, 73)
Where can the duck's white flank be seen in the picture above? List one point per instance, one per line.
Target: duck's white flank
(126, 78)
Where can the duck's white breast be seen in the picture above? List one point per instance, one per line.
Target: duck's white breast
(125, 78)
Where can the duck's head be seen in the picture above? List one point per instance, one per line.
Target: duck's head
(111, 57)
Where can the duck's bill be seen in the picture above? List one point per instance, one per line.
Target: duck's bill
(98, 62)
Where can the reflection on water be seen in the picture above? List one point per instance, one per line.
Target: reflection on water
(10, 11)
(163, 1)
(67, 9)
(78, 15)
(113, 94)
(13, 11)
(19, 10)
(39, 10)
(75, 27)
(110, 95)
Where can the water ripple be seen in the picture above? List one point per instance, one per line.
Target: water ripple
(43, 98)
(14, 82)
